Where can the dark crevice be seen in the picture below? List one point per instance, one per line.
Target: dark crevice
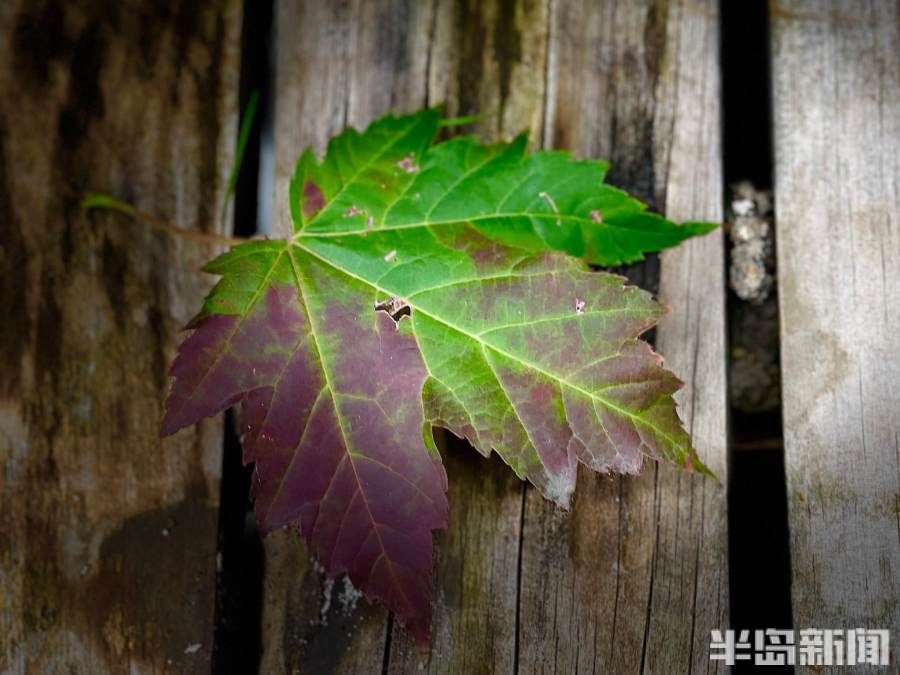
(238, 626)
(758, 541)
(654, 560)
(432, 29)
(240, 559)
(255, 76)
(388, 638)
(519, 578)
(746, 92)
(620, 525)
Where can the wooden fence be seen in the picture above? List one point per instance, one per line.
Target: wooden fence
(108, 536)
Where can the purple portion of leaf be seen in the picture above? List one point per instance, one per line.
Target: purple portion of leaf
(227, 356)
(313, 199)
(326, 447)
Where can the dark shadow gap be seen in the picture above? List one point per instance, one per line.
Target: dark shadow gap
(240, 560)
(758, 537)
(388, 638)
(255, 76)
(516, 646)
(238, 625)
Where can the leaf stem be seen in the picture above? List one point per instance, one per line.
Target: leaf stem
(102, 201)
(467, 119)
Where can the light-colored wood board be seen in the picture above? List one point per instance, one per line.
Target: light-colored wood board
(380, 75)
(489, 58)
(108, 545)
(635, 576)
(836, 97)
(340, 64)
(689, 595)
(311, 624)
(486, 57)
(476, 573)
(336, 64)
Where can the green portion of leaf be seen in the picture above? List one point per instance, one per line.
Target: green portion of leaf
(245, 271)
(392, 178)
(362, 173)
(463, 120)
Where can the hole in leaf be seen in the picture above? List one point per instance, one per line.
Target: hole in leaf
(396, 308)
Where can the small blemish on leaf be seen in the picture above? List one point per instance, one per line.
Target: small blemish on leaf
(354, 210)
(579, 306)
(391, 256)
(408, 164)
(313, 199)
(547, 198)
(596, 216)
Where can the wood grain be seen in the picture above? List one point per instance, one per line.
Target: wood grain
(666, 532)
(837, 141)
(635, 576)
(365, 60)
(108, 544)
(336, 64)
(486, 57)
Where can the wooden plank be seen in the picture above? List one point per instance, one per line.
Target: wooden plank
(364, 61)
(489, 58)
(492, 57)
(486, 57)
(635, 576)
(337, 64)
(837, 142)
(108, 545)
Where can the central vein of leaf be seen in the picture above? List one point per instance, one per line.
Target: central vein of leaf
(304, 234)
(341, 422)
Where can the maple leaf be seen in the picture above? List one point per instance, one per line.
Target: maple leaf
(428, 285)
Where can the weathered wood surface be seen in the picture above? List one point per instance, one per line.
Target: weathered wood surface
(336, 64)
(636, 574)
(485, 57)
(365, 61)
(837, 143)
(107, 534)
